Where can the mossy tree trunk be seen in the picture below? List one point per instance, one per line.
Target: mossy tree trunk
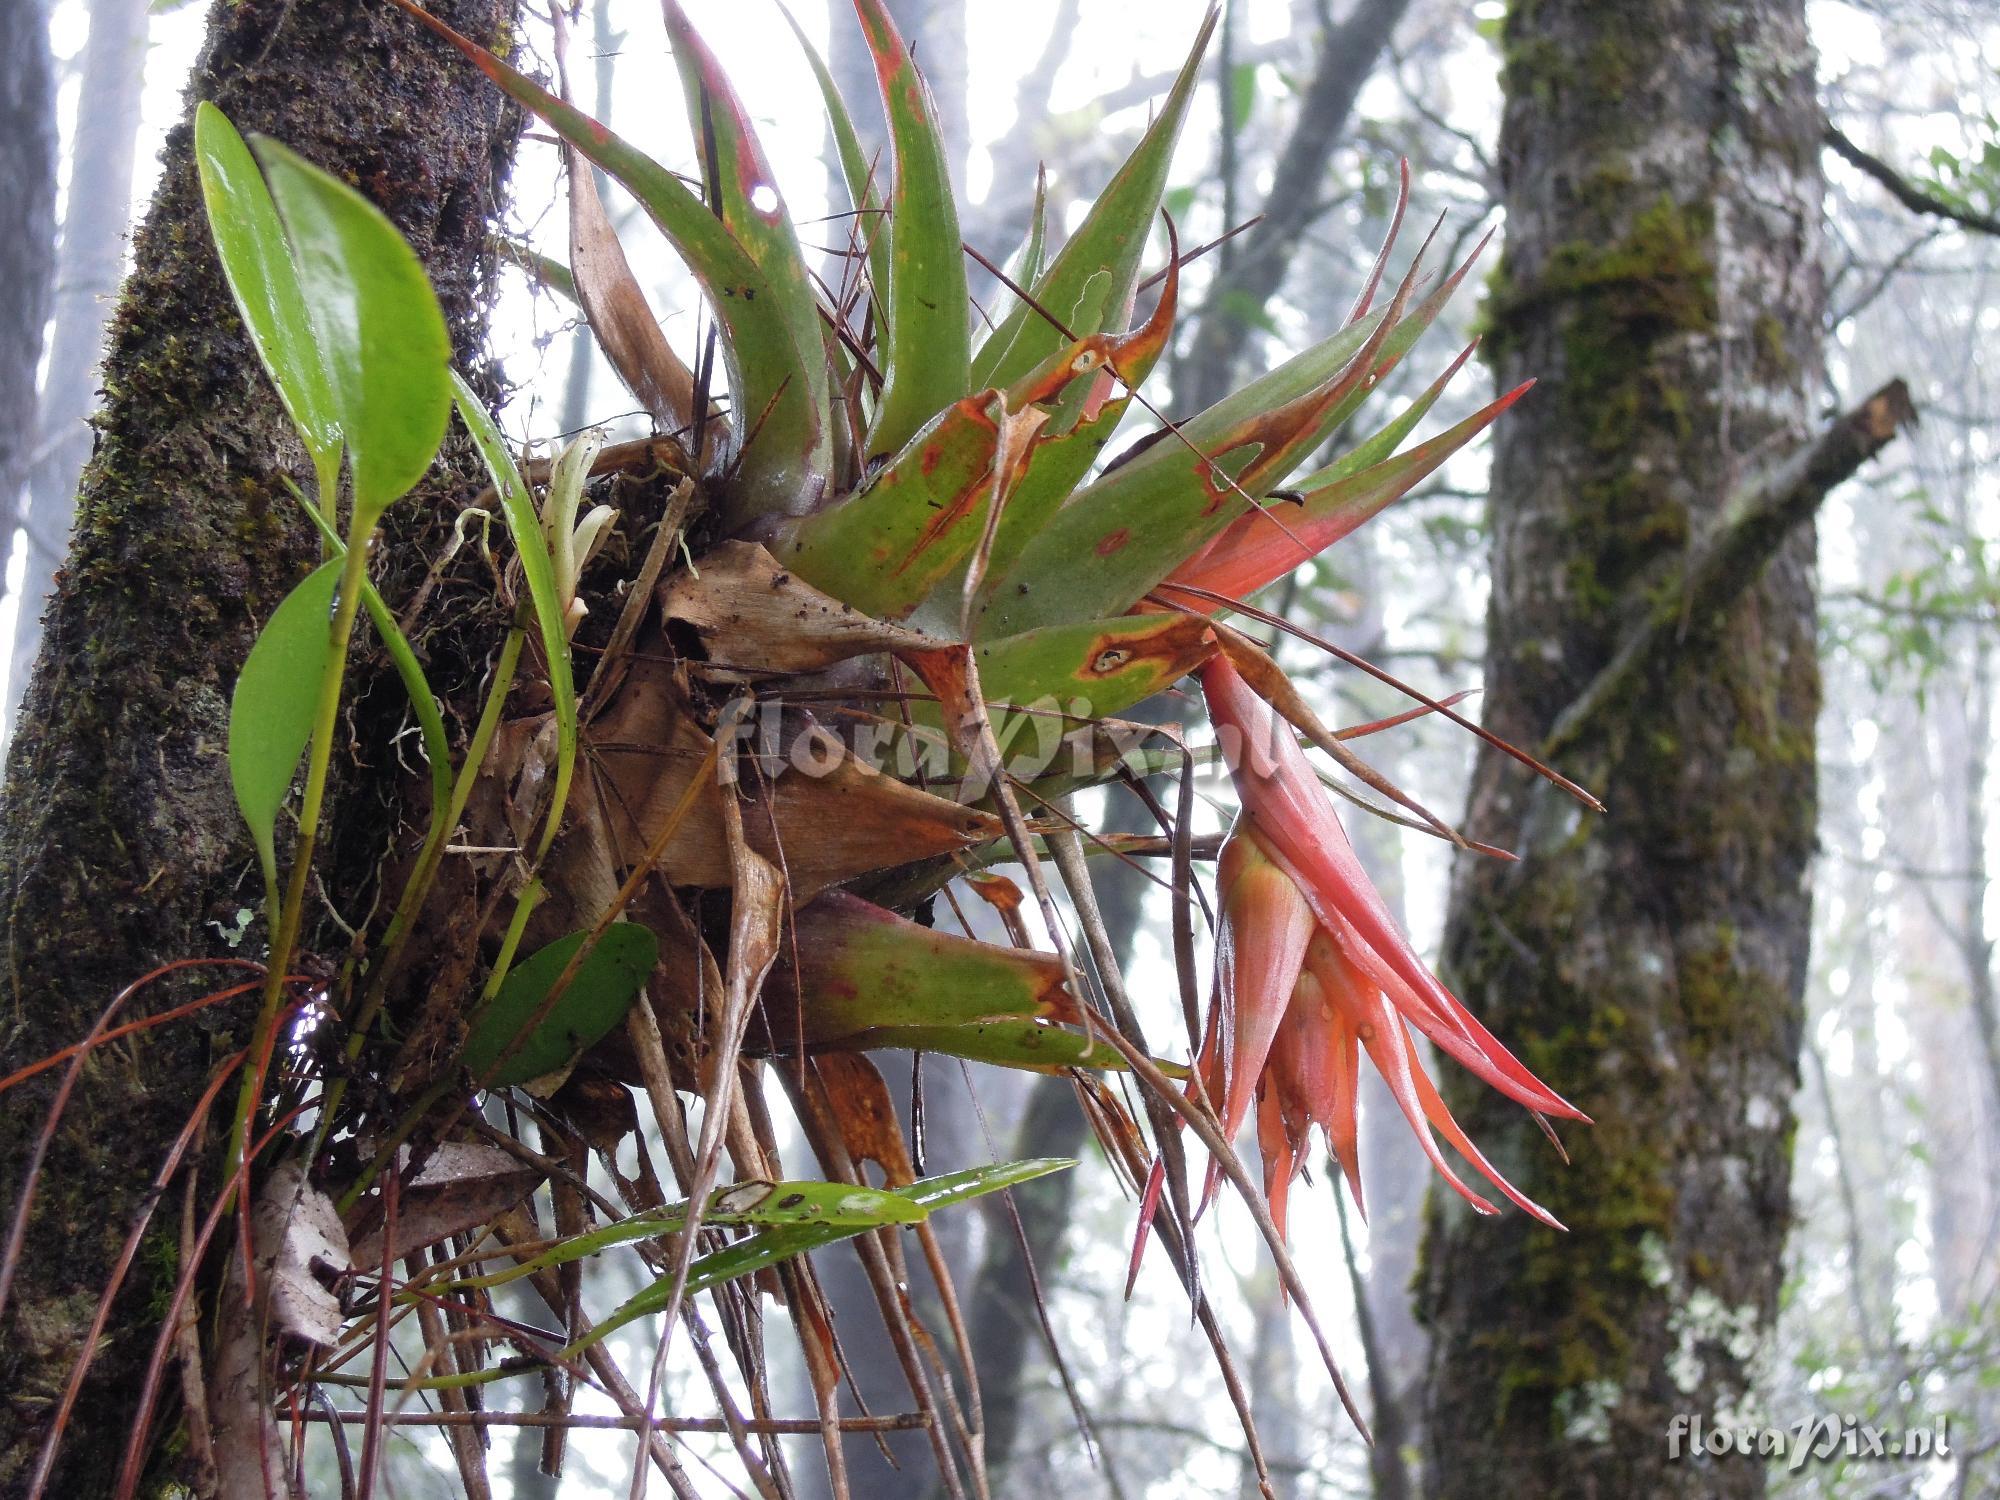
(1663, 221)
(120, 846)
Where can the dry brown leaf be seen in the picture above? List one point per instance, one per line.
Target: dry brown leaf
(297, 1233)
(751, 615)
(464, 1184)
(836, 820)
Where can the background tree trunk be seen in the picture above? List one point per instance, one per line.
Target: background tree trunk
(1663, 197)
(27, 260)
(120, 847)
(97, 207)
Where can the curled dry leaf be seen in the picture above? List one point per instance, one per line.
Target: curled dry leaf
(464, 1184)
(298, 1234)
(749, 614)
(835, 816)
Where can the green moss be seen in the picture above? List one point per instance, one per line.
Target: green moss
(1617, 303)
(1535, 66)
(1774, 355)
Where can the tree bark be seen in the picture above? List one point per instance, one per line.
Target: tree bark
(120, 846)
(1662, 184)
(27, 262)
(97, 210)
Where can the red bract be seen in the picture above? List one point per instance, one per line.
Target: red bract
(1295, 1016)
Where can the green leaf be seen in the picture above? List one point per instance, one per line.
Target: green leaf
(1242, 91)
(871, 227)
(884, 548)
(1253, 552)
(1074, 439)
(927, 343)
(250, 242)
(1092, 667)
(770, 1246)
(788, 1203)
(378, 327)
(1111, 239)
(788, 450)
(271, 711)
(423, 703)
(741, 1204)
(1006, 1044)
(601, 991)
(1134, 525)
(745, 193)
(538, 568)
(858, 967)
(1024, 267)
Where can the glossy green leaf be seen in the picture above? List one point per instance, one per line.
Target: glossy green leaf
(871, 226)
(250, 242)
(770, 1246)
(787, 446)
(601, 991)
(1111, 239)
(544, 593)
(927, 343)
(271, 711)
(378, 326)
(753, 1204)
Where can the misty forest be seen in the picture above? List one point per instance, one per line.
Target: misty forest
(916, 750)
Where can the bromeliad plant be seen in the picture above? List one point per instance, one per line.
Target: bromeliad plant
(774, 676)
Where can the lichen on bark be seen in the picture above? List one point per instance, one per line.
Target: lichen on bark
(1661, 281)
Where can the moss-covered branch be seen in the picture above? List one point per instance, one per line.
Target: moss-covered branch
(1729, 557)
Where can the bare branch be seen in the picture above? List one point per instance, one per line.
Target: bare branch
(1720, 566)
(1905, 192)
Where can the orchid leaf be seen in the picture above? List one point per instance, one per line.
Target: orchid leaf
(378, 327)
(599, 993)
(423, 702)
(927, 342)
(768, 1247)
(1111, 239)
(271, 711)
(538, 567)
(256, 260)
